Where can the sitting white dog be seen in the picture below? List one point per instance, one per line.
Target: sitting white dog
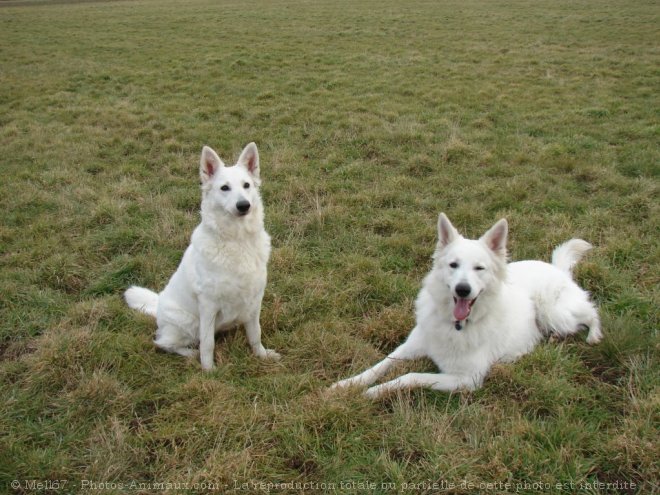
(474, 310)
(221, 279)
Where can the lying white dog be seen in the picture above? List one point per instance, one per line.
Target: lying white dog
(221, 279)
(474, 310)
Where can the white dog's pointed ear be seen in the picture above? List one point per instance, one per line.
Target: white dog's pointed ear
(250, 159)
(209, 163)
(446, 231)
(496, 236)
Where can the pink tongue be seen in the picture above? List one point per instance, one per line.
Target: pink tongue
(462, 309)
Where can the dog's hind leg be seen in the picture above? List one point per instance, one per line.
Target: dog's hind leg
(171, 339)
(572, 315)
(404, 352)
(436, 381)
(591, 320)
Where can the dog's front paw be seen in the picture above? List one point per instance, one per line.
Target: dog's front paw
(375, 392)
(208, 367)
(270, 354)
(341, 384)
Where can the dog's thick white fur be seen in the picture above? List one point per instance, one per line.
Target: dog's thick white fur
(475, 310)
(221, 279)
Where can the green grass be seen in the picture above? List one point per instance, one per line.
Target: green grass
(371, 118)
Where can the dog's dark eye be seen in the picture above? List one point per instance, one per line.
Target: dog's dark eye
(225, 188)
(479, 268)
(453, 264)
(246, 185)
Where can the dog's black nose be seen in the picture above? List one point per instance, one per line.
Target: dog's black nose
(243, 206)
(463, 290)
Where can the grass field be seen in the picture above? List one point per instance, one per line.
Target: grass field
(371, 118)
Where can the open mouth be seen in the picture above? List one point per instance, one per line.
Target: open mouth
(462, 307)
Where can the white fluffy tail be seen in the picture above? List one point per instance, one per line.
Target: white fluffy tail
(566, 256)
(142, 299)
